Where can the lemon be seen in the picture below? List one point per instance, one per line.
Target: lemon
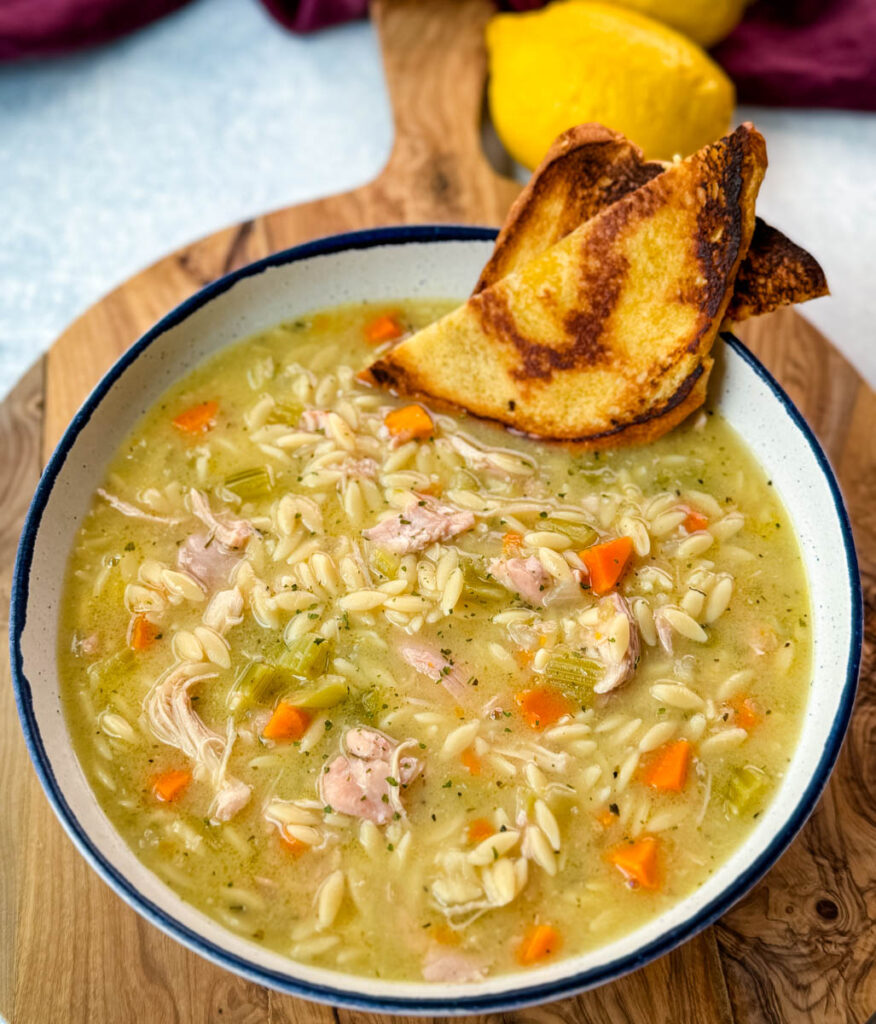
(577, 61)
(705, 21)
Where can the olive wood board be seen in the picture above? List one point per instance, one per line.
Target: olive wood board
(801, 946)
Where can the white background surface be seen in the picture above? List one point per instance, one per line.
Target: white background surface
(112, 157)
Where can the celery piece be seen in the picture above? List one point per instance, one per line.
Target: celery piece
(580, 534)
(308, 656)
(372, 703)
(286, 412)
(249, 484)
(744, 789)
(113, 668)
(384, 563)
(253, 686)
(326, 696)
(480, 587)
(573, 671)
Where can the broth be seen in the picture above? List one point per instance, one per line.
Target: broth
(410, 757)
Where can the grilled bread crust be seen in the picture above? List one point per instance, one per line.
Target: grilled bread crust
(588, 168)
(601, 339)
(776, 272)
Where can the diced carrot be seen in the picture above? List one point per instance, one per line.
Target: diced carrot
(142, 633)
(170, 785)
(471, 761)
(292, 844)
(385, 327)
(523, 657)
(198, 419)
(746, 713)
(542, 708)
(606, 818)
(512, 543)
(667, 769)
(638, 862)
(286, 723)
(480, 829)
(445, 935)
(606, 563)
(409, 421)
(540, 942)
(694, 521)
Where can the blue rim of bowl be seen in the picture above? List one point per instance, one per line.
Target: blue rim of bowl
(523, 994)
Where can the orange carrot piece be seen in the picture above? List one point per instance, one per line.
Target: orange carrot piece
(142, 633)
(746, 713)
(694, 521)
(445, 935)
(471, 761)
(385, 327)
(606, 563)
(542, 708)
(286, 723)
(292, 844)
(480, 829)
(512, 543)
(667, 769)
(170, 785)
(540, 942)
(606, 818)
(638, 862)
(198, 419)
(409, 421)
(523, 657)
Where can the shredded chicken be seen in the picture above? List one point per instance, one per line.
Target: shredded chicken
(615, 641)
(429, 661)
(233, 533)
(441, 964)
(134, 512)
(224, 610)
(664, 630)
(313, 420)
(491, 462)
(365, 780)
(422, 522)
(168, 708)
(205, 558)
(85, 645)
(524, 576)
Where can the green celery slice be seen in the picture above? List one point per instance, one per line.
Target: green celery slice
(574, 671)
(384, 563)
(308, 656)
(249, 484)
(287, 412)
(326, 696)
(744, 790)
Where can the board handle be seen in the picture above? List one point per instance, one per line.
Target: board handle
(436, 66)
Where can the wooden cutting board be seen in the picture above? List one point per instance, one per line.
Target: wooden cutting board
(801, 947)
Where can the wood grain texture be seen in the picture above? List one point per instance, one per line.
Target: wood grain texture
(801, 947)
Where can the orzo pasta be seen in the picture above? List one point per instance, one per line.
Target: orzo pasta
(403, 694)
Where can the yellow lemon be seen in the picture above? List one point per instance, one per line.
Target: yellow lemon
(577, 61)
(705, 21)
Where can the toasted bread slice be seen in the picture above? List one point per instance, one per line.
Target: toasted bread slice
(588, 168)
(776, 272)
(603, 338)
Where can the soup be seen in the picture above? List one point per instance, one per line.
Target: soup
(399, 693)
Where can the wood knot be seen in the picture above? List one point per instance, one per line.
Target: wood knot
(827, 909)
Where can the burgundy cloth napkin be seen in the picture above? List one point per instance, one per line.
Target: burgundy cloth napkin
(805, 54)
(818, 53)
(43, 28)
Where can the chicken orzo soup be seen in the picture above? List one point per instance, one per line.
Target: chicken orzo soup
(400, 693)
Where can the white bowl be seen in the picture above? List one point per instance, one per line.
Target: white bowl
(428, 262)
